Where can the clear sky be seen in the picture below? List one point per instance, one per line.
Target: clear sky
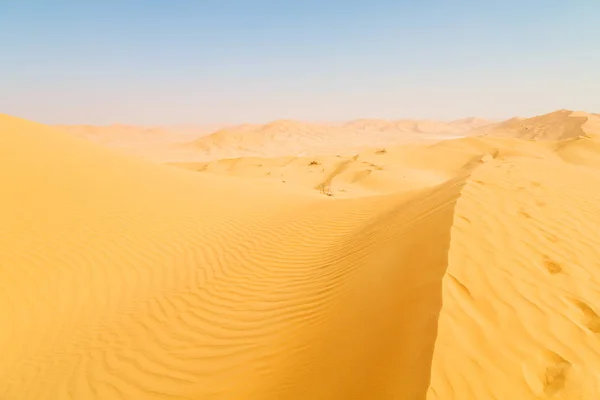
(220, 61)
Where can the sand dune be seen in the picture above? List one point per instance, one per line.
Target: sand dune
(460, 269)
(417, 126)
(157, 143)
(275, 139)
(284, 137)
(118, 134)
(370, 172)
(381, 170)
(559, 125)
(520, 302)
(124, 279)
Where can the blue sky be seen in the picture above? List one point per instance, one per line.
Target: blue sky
(184, 61)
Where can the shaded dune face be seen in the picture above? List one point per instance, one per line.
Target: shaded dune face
(465, 269)
(521, 292)
(127, 280)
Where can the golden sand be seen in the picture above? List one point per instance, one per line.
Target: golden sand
(457, 269)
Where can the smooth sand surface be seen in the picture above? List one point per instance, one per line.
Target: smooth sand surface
(457, 269)
(276, 139)
(157, 143)
(285, 137)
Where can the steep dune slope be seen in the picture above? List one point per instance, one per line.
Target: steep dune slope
(522, 291)
(122, 279)
(558, 125)
(581, 151)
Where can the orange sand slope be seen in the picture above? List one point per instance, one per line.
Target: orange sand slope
(125, 279)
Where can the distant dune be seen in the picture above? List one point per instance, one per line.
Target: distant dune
(158, 143)
(285, 137)
(277, 138)
(415, 126)
(405, 269)
(118, 133)
(559, 125)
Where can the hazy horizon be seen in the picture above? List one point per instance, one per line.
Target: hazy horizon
(236, 62)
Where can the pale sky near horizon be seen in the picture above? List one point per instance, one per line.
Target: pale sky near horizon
(201, 62)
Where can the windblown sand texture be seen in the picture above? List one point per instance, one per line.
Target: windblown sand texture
(457, 269)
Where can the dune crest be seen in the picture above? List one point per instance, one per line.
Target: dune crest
(522, 290)
(558, 125)
(455, 269)
(150, 282)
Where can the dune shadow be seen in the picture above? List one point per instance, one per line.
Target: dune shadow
(381, 341)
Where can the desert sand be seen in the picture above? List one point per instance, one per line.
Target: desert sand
(285, 137)
(157, 143)
(279, 138)
(365, 260)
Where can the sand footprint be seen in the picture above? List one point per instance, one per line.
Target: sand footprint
(592, 318)
(464, 290)
(555, 375)
(552, 266)
(524, 214)
(550, 237)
